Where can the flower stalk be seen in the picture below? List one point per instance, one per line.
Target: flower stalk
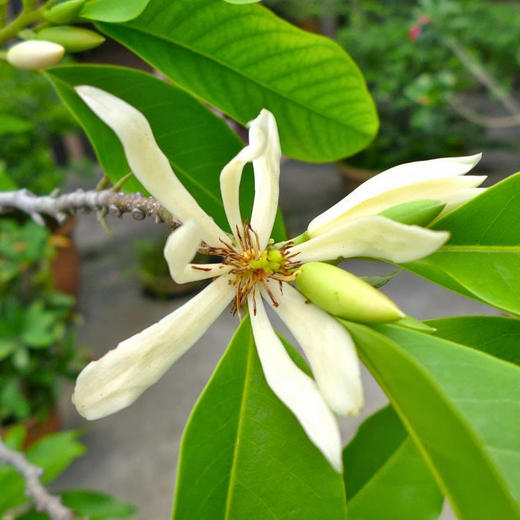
(27, 17)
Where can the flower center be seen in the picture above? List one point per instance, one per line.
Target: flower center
(252, 266)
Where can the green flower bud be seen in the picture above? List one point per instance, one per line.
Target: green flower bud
(74, 39)
(415, 212)
(342, 294)
(34, 54)
(64, 12)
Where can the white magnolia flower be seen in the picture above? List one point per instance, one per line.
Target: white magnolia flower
(253, 270)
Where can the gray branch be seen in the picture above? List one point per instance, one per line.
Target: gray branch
(59, 207)
(40, 497)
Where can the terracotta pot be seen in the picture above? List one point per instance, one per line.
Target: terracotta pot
(66, 264)
(352, 176)
(37, 429)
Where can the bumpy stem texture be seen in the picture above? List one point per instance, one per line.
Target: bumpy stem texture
(60, 206)
(40, 497)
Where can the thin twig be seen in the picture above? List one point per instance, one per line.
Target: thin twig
(482, 119)
(59, 207)
(35, 491)
(482, 75)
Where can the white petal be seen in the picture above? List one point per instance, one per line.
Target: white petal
(267, 175)
(117, 379)
(375, 237)
(295, 388)
(147, 161)
(394, 178)
(264, 151)
(180, 248)
(439, 189)
(328, 347)
(231, 176)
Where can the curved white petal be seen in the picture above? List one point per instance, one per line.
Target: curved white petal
(397, 177)
(264, 151)
(374, 236)
(146, 159)
(267, 175)
(117, 379)
(295, 388)
(180, 248)
(328, 347)
(231, 176)
(439, 189)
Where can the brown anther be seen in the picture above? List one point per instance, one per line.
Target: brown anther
(238, 254)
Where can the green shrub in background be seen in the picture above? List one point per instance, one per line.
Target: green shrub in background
(32, 124)
(37, 337)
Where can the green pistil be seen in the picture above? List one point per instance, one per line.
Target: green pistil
(269, 262)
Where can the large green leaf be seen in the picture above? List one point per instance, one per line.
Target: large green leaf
(482, 258)
(460, 407)
(197, 143)
(242, 58)
(244, 455)
(385, 475)
(113, 10)
(495, 335)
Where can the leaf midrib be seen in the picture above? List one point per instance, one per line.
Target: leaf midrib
(378, 471)
(476, 248)
(226, 66)
(243, 400)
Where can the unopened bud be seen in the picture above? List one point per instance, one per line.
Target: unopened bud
(74, 39)
(415, 212)
(64, 12)
(344, 295)
(35, 54)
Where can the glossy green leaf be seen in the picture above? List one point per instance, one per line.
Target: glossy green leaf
(498, 336)
(242, 58)
(244, 455)
(94, 505)
(460, 407)
(114, 11)
(482, 258)
(242, 1)
(385, 475)
(197, 143)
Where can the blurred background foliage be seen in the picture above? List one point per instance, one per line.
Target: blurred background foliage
(37, 325)
(34, 124)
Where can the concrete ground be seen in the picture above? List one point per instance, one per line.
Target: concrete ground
(133, 454)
